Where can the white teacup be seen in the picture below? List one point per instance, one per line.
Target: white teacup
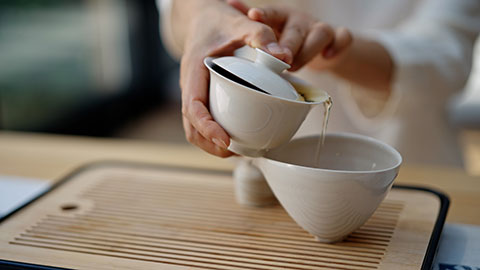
(356, 172)
(255, 121)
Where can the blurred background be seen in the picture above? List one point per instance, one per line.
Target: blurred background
(98, 68)
(94, 68)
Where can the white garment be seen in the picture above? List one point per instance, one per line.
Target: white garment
(431, 43)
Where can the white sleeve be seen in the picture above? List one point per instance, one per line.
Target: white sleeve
(432, 50)
(166, 29)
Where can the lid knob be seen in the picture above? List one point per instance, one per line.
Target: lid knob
(270, 61)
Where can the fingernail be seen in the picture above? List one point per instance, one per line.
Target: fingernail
(220, 143)
(288, 55)
(274, 48)
(329, 53)
(261, 13)
(256, 14)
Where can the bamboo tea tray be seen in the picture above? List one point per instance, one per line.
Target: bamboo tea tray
(131, 216)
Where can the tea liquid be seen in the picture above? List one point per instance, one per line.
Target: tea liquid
(310, 94)
(327, 105)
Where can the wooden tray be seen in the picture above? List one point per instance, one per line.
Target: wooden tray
(131, 216)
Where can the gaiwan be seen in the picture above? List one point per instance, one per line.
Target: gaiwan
(255, 104)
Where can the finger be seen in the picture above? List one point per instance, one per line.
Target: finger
(275, 17)
(194, 82)
(194, 137)
(319, 38)
(343, 39)
(256, 14)
(259, 35)
(203, 122)
(294, 33)
(239, 5)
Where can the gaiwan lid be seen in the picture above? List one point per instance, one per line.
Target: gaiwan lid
(264, 73)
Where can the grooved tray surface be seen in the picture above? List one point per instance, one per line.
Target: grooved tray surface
(114, 217)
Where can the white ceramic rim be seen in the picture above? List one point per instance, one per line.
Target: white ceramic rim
(206, 63)
(364, 138)
(273, 58)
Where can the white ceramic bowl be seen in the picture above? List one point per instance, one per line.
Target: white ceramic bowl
(256, 122)
(356, 172)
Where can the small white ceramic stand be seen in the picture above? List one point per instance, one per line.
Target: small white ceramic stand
(251, 188)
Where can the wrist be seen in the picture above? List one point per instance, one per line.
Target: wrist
(341, 64)
(367, 64)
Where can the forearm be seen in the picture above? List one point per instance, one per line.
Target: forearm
(367, 64)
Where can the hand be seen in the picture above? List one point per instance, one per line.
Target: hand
(305, 37)
(362, 61)
(215, 29)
